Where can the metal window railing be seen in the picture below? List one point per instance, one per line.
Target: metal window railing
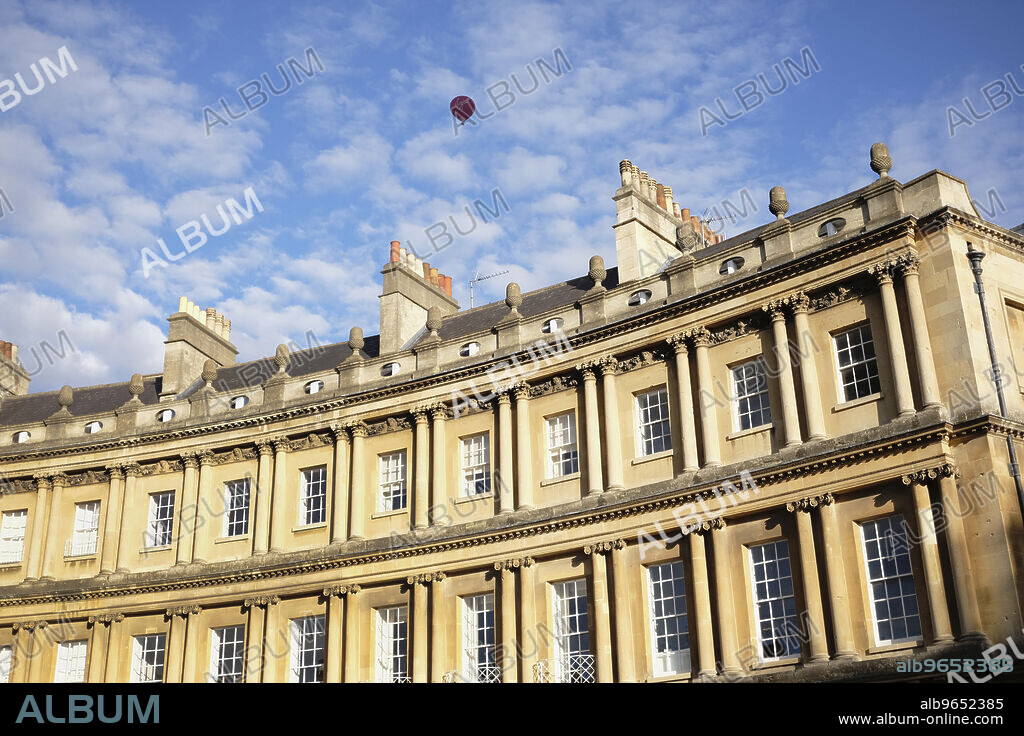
(483, 673)
(572, 668)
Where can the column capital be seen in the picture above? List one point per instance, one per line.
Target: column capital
(706, 526)
(799, 302)
(340, 432)
(420, 414)
(105, 619)
(440, 410)
(513, 564)
(603, 548)
(608, 365)
(521, 391)
(884, 271)
(132, 470)
(281, 444)
(59, 479)
(42, 481)
(588, 369)
(341, 590)
(263, 601)
(910, 264)
(183, 611)
(946, 470)
(358, 429)
(810, 503)
(426, 578)
(503, 396)
(678, 343)
(116, 470)
(776, 308)
(189, 459)
(205, 457)
(264, 447)
(29, 626)
(700, 336)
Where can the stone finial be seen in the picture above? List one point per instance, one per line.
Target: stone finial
(209, 371)
(136, 386)
(597, 271)
(355, 339)
(513, 296)
(778, 205)
(282, 358)
(66, 397)
(434, 320)
(880, 160)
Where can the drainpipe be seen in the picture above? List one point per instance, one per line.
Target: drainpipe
(975, 257)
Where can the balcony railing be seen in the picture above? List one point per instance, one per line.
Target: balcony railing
(483, 673)
(79, 547)
(566, 668)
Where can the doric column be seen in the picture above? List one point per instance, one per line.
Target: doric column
(809, 574)
(527, 619)
(188, 509)
(506, 570)
(837, 589)
(111, 517)
(724, 597)
(808, 370)
(254, 642)
(175, 646)
(351, 645)
(339, 489)
(959, 557)
(706, 390)
(702, 603)
(115, 645)
(264, 482)
(99, 631)
(684, 389)
(602, 616)
(38, 642)
(358, 498)
(612, 437)
(524, 459)
(595, 480)
(52, 547)
(420, 636)
(919, 331)
(439, 413)
(505, 485)
(189, 646)
(930, 555)
(124, 545)
(35, 553)
(787, 391)
(421, 486)
(894, 334)
(335, 649)
(625, 664)
(278, 517)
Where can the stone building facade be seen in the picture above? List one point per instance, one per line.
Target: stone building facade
(777, 456)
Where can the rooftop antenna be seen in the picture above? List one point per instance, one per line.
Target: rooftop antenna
(708, 220)
(477, 277)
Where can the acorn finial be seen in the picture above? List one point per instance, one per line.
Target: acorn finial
(778, 205)
(135, 386)
(355, 339)
(513, 296)
(66, 397)
(209, 371)
(282, 357)
(597, 270)
(434, 320)
(881, 162)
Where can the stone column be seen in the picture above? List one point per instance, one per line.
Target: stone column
(809, 575)
(593, 424)
(52, 547)
(124, 545)
(524, 459)
(625, 664)
(351, 645)
(787, 391)
(97, 649)
(190, 614)
(506, 570)
(836, 574)
(254, 643)
(35, 553)
(334, 644)
(930, 556)
(602, 616)
(358, 498)
(264, 483)
(114, 646)
(278, 518)
(724, 597)
(505, 485)
(684, 389)
(706, 390)
(528, 639)
(702, 603)
(808, 369)
(35, 664)
(420, 635)
(421, 486)
(175, 646)
(438, 603)
(929, 383)
(612, 437)
(20, 655)
(339, 489)
(112, 513)
(959, 557)
(439, 413)
(188, 509)
(272, 636)
(894, 335)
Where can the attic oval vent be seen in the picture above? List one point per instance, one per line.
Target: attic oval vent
(93, 427)
(731, 266)
(390, 369)
(239, 401)
(20, 437)
(165, 415)
(470, 348)
(831, 227)
(553, 325)
(639, 297)
(314, 386)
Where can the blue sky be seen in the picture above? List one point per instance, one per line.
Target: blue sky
(101, 163)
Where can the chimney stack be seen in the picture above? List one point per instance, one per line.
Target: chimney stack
(411, 288)
(14, 379)
(194, 336)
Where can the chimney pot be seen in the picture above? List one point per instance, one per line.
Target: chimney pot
(659, 193)
(396, 247)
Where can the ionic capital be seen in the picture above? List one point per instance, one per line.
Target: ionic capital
(261, 600)
(706, 526)
(105, 619)
(513, 564)
(946, 470)
(603, 548)
(341, 590)
(183, 611)
(810, 503)
(426, 578)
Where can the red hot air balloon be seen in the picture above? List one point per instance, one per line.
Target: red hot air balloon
(462, 108)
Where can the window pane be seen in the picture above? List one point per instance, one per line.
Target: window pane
(479, 664)
(236, 508)
(227, 663)
(670, 638)
(392, 482)
(476, 465)
(148, 658)
(653, 427)
(774, 604)
(858, 368)
(563, 455)
(392, 645)
(313, 497)
(891, 580)
(750, 395)
(308, 649)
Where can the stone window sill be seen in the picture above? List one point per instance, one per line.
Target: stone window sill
(309, 527)
(560, 479)
(753, 430)
(475, 498)
(11, 565)
(651, 458)
(386, 514)
(773, 663)
(896, 646)
(81, 558)
(681, 677)
(161, 548)
(870, 398)
(236, 538)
